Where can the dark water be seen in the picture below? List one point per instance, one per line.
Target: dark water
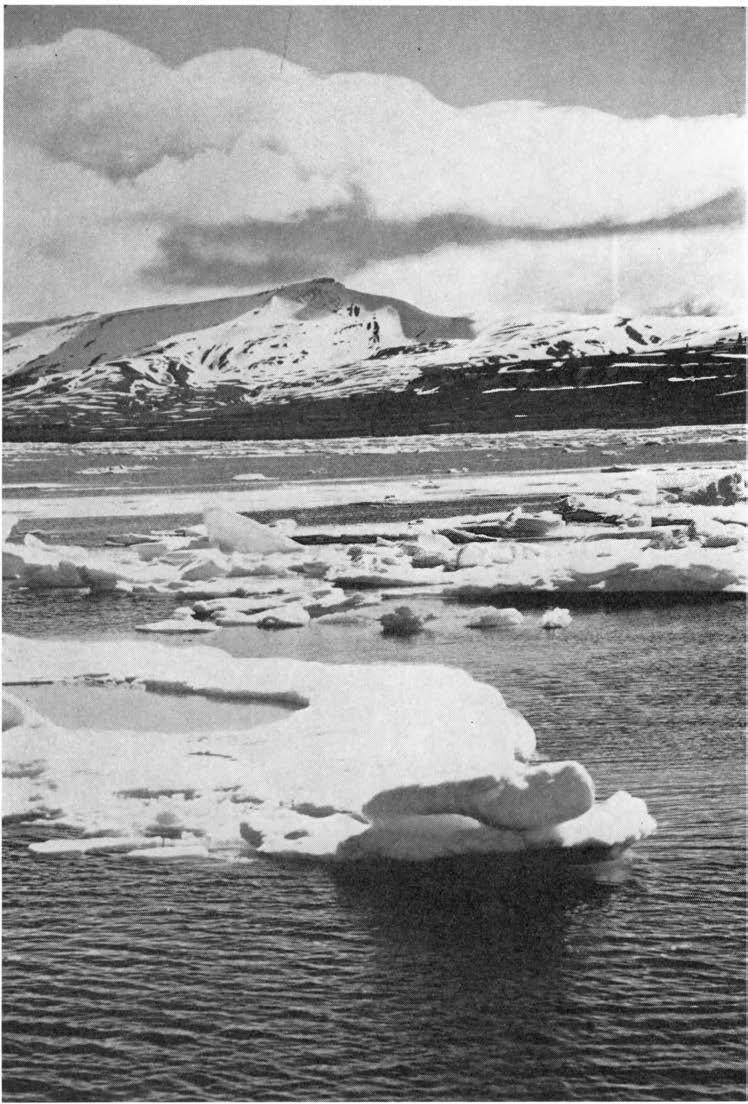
(257, 981)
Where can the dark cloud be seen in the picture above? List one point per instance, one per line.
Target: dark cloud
(343, 239)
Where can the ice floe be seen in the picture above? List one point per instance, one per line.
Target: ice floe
(555, 619)
(650, 538)
(608, 567)
(115, 469)
(402, 621)
(233, 533)
(401, 761)
(490, 618)
(178, 625)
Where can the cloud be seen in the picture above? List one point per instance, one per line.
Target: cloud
(69, 241)
(104, 104)
(686, 271)
(348, 236)
(236, 169)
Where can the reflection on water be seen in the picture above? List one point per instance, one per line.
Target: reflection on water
(256, 981)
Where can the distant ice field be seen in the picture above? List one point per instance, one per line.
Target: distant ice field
(385, 478)
(48, 468)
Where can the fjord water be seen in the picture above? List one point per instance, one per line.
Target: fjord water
(257, 981)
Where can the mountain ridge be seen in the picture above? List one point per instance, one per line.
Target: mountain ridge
(248, 362)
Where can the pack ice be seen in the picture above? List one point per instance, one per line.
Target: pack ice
(670, 534)
(386, 760)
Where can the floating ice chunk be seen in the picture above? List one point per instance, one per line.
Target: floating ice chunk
(234, 533)
(390, 759)
(335, 601)
(249, 477)
(555, 619)
(150, 550)
(176, 625)
(431, 550)
(614, 825)
(481, 554)
(172, 853)
(275, 565)
(349, 617)
(378, 572)
(536, 796)
(619, 821)
(486, 617)
(291, 616)
(63, 574)
(608, 565)
(719, 536)
(202, 568)
(228, 619)
(705, 490)
(9, 524)
(97, 844)
(38, 551)
(253, 598)
(401, 622)
(13, 562)
(519, 524)
(42, 566)
(99, 580)
(217, 607)
(460, 536)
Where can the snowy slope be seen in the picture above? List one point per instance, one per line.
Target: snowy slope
(37, 341)
(71, 345)
(591, 335)
(308, 343)
(272, 353)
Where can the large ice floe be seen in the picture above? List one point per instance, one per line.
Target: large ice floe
(379, 761)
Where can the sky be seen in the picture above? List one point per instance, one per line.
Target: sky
(483, 161)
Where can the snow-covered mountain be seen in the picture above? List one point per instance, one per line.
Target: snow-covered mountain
(306, 354)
